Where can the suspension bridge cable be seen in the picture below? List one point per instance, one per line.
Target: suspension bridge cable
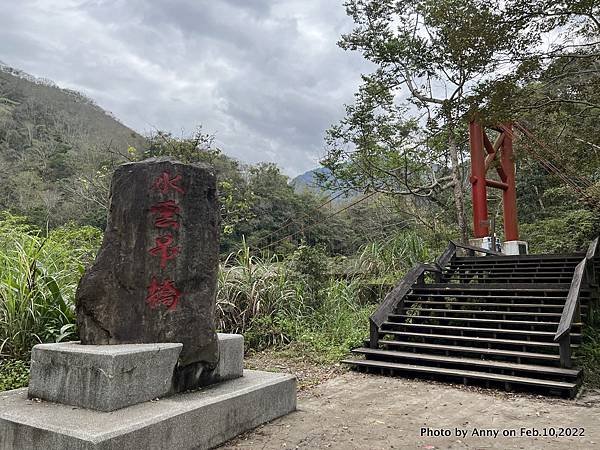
(541, 144)
(552, 168)
(320, 221)
(290, 221)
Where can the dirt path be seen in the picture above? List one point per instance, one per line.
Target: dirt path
(357, 411)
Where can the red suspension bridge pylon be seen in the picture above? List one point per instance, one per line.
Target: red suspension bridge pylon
(484, 155)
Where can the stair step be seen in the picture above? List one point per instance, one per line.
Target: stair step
(510, 271)
(491, 297)
(511, 267)
(490, 279)
(548, 334)
(558, 306)
(469, 361)
(491, 312)
(491, 271)
(536, 271)
(556, 257)
(555, 268)
(507, 270)
(513, 264)
(503, 277)
(473, 339)
(477, 350)
(494, 287)
(561, 385)
(468, 319)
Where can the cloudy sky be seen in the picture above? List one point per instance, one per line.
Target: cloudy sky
(265, 76)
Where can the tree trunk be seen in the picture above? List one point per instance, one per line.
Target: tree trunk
(459, 196)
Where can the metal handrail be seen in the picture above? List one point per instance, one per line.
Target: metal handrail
(571, 308)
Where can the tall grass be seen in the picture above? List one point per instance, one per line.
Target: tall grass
(391, 258)
(39, 272)
(252, 293)
(274, 302)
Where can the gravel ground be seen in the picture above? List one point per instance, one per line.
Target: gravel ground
(308, 373)
(347, 410)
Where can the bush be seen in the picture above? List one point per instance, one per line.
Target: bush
(308, 266)
(568, 232)
(274, 303)
(338, 325)
(39, 273)
(589, 352)
(14, 374)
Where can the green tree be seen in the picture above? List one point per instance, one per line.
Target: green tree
(234, 196)
(429, 56)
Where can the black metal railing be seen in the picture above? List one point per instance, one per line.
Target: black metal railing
(583, 276)
(415, 276)
(472, 249)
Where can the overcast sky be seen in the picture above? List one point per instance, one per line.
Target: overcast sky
(265, 76)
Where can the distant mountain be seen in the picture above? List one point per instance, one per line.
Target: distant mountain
(308, 181)
(55, 147)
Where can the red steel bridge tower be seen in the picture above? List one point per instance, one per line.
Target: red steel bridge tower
(485, 155)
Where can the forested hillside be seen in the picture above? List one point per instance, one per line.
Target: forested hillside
(58, 149)
(54, 145)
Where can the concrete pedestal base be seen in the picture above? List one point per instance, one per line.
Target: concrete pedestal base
(515, 248)
(194, 420)
(484, 242)
(102, 377)
(109, 377)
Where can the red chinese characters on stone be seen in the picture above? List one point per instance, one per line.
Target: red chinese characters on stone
(165, 216)
(164, 183)
(164, 249)
(166, 212)
(164, 293)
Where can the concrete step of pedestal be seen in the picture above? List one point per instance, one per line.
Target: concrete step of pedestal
(191, 420)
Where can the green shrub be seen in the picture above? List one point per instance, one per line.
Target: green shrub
(339, 324)
(308, 266)
(589, 352)
(14, 374)
(274, 303)
(567, 232)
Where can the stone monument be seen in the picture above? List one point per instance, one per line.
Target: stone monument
(146, 317)
(155, 276)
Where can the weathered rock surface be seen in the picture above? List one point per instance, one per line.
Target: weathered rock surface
(154, 279)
